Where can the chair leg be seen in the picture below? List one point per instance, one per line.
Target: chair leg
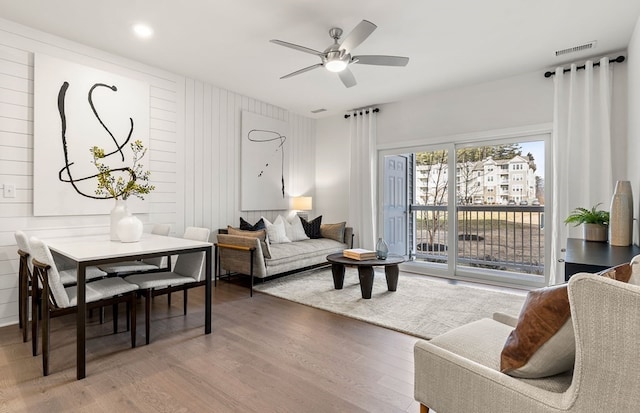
(24, 312)
(129, 312)
(423, 408)
(131, 305)
(185, 301)
(147, 314)
(45, 342)
(169, 299)
(36, 309)
(21, 298)
(115, 318)
(101, 310)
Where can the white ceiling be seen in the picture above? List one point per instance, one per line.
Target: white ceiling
(226, 43)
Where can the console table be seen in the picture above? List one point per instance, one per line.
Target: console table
(589, 256)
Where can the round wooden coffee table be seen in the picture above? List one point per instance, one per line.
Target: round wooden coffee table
(365, 271)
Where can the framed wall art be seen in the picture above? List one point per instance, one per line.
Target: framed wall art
(77, 107)
(264, 163)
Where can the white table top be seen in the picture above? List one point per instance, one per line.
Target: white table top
(95, 247)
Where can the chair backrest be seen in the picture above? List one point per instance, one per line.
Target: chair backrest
(41, 253)
(23, 245)
(192, 265)
(159, 229)
(606, 320)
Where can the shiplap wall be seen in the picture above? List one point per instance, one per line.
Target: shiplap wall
(18, 44)
(213, 133)
(194, 152)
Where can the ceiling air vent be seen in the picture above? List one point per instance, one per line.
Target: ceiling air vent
(318, 110)
(574, 49)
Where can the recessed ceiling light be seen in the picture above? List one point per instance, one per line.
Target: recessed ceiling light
(142, 30)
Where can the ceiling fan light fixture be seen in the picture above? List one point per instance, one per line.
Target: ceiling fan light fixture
(336, 65)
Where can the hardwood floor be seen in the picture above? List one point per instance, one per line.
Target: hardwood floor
(265, 355)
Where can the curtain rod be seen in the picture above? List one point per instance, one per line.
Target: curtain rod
(376, 110)
(618, 59)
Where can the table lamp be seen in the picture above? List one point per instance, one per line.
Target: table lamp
(302, 203)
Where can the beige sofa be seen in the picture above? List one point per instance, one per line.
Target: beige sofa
(459, 370)
(236, 253)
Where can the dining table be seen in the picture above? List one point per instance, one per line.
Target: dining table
(95, 250)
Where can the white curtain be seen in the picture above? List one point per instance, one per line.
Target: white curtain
(362, 180)
(582, 164)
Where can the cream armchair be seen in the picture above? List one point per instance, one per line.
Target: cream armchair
(458, 372)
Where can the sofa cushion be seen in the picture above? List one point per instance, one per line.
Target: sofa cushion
(542, 344)
(244, 225)
(276, 231)
(333, 231)
(312, 228)
(299, 251)
(261, 235)
(293, 228)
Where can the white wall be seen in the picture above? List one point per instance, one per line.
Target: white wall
(194, 153)
(332, 169)
(633, 133)
(449, 115)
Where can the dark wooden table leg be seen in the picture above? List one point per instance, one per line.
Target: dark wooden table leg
(338, 275)
(366, 280)
(391, 272)
(208, 290)
(81, 322)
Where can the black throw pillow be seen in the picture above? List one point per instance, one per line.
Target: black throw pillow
(245, 226)
(312, 228)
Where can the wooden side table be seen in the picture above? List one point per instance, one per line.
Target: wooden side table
(365, 271)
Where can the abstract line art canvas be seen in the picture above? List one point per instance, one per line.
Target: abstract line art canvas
(265, 163)
(77, 107)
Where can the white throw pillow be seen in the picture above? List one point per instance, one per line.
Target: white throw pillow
(276, 231)
(294, 229)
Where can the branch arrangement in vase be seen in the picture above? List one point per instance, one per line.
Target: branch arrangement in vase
(114, 187)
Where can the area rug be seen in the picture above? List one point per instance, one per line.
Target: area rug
(420, 307)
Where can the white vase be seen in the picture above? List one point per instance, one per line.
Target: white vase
(118, 212)
(621, 215)
(130, 229)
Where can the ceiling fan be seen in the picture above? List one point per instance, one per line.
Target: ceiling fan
(337, 57)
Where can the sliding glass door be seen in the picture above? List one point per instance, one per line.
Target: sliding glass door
(474, 210)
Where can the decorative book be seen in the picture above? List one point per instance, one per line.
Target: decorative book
(360, 254)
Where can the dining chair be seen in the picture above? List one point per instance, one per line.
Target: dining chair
(146, 265)
(29, 288)
(187, 273)
(58, 300)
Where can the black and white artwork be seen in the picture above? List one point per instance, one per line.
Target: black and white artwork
(265, 163)
(77, 107)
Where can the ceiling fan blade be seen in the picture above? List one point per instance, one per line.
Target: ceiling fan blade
(306, 69)
(297, 47)
(358, 35)
(381, 60)
(347, 77)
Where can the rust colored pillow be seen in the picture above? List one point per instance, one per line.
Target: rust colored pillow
(542, 344)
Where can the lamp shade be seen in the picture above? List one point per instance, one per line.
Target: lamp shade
(302, 203)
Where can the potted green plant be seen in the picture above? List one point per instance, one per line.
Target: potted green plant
(120, 184)
(594, 222)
